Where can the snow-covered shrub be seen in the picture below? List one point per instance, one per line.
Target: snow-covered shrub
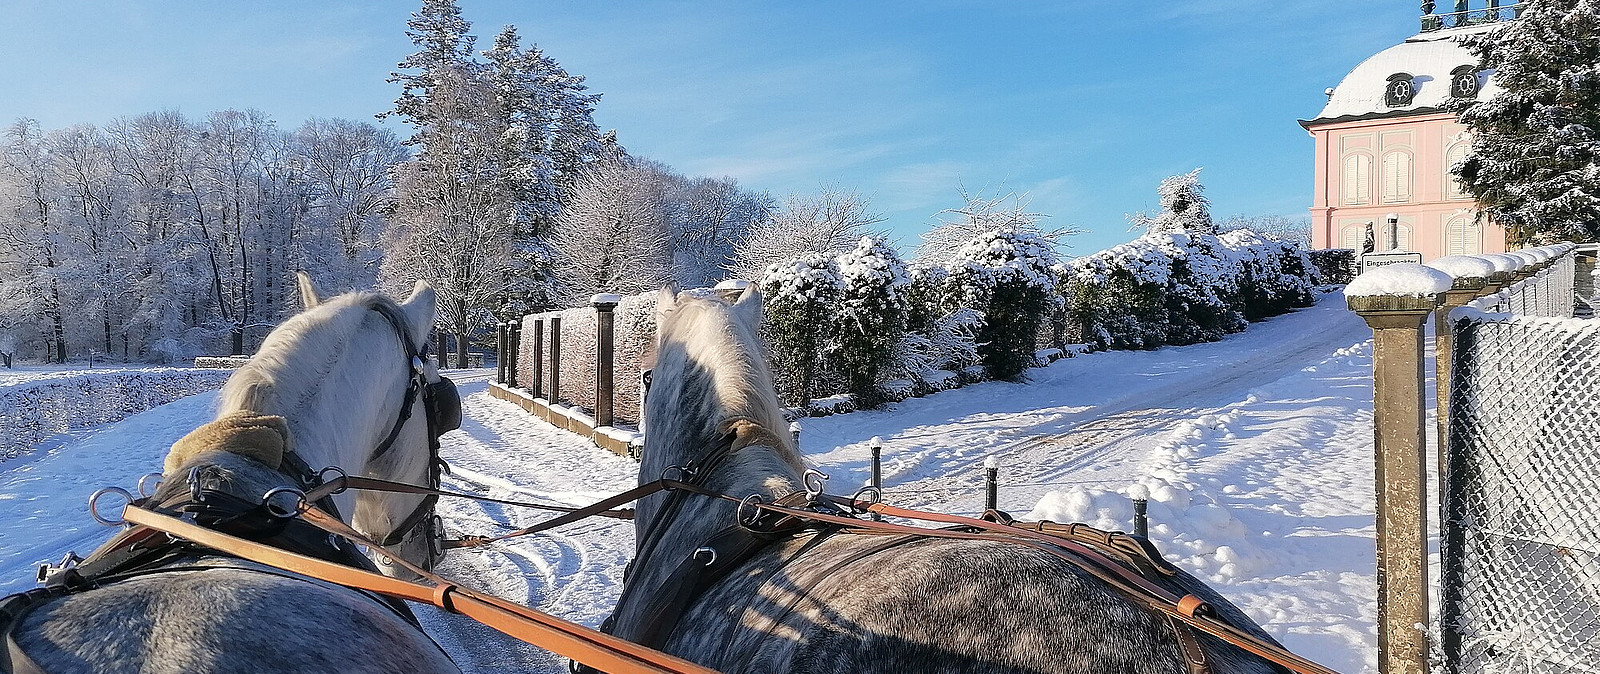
(948, 344)
(1005, 274)
(801, 296)
(32, 411)
(1334, 265)
(871, 316)
(1276, 276)
(1183, 288)
(1184, 208)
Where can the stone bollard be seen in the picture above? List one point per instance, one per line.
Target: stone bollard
(605, 305)
(1399, 412)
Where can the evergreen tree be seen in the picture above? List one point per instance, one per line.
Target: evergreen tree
(1535, 161)
(871, 316)
(800, 297)
(1005, 274)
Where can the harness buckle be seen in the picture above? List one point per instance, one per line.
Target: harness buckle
(705, 554)
(684, 474)
(52, 574)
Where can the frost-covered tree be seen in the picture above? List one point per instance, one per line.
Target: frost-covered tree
(1005, 274)
(829, 222)
(346, 165)
(800, 297)
(1535, 161)
(612, 236)
(978, 215)
(706, 219)
(871, 316)
(1184, 207)
(1295, 229)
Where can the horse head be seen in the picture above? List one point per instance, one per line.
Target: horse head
(342, 384)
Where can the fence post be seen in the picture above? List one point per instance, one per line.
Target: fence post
(605, 305)
(877, 471)
(500, 330)
(1399, 409)
(555, 360)
(1463, 290)
(513, 352)
(537, 385)
(794, 430)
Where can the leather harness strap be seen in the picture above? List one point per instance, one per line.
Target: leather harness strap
(564, 638)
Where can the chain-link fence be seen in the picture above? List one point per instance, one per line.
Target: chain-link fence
(1521, 552)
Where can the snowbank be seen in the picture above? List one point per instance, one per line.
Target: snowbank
(1400, 279)
(1459, 266)
(31, 412)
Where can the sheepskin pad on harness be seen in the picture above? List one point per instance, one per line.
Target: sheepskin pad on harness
(262, 437)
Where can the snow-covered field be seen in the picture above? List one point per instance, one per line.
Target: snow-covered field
(1256, 453)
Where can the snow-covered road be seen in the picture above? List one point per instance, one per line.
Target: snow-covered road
(1257, 451)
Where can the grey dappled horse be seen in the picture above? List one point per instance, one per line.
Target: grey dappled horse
(839, 605)
(337, 374)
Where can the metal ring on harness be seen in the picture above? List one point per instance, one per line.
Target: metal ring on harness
(436, 537)
(856, 500)
(322, 477)
(816, 483)
(749, 514)
(684, 474)
(94, 503)
(283, 513)
(147, 494)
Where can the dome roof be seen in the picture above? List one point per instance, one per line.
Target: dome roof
(1429, 58)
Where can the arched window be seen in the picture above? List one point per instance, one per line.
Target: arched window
(1353, 236)
(1357, 184)
(1455, 155)
(1463, 236)
(1397, 177)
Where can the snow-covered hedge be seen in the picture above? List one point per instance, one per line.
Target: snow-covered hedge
(1007, 275)
(871, 317)
(1334, 265)
(31, 412)
(1183, 287)
(800, 298)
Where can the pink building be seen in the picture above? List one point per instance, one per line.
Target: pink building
(1384, 144)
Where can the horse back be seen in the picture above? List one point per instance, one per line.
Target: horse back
(222, 615)
(896, 604)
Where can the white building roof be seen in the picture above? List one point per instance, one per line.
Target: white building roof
(1427, 57)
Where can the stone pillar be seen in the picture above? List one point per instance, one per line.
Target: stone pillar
(605, 305)
(1464, 290)
(1399, 411)
(537, 385)
(555, 360)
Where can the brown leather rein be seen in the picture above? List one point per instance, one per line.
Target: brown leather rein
(612, 654)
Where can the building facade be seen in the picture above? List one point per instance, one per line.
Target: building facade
(1385, 144)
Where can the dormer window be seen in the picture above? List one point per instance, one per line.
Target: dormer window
(1464, 82)
(1400, 90)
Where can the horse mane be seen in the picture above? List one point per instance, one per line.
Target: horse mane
(715, 338)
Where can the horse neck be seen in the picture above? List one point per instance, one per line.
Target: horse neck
(688, 421)
(340, 398)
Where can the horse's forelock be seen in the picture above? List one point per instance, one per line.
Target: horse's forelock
(710, 335)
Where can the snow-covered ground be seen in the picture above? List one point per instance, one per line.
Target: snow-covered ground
(1256, 453)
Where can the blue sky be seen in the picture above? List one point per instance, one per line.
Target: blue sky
(1083, 105)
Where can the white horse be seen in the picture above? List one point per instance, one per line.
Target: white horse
(847, 603)
(327, 387)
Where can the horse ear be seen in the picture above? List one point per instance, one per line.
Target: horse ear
(748, 307)
(667, 299)
(309, 297)
(421, 307)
